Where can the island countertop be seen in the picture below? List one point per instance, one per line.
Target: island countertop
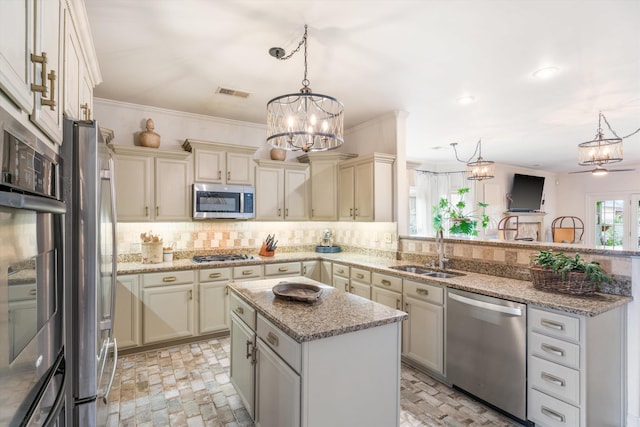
(335, 313)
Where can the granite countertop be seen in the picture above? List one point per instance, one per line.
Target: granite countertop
(335, 313)
(501, 287)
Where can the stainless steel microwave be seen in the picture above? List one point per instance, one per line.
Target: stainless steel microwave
(219, 201)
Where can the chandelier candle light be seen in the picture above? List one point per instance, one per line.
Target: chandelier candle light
(304, 121)
(480, 168)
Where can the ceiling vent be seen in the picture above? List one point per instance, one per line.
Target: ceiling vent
(232, 92)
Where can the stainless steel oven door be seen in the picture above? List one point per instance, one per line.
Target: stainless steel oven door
(31, 324)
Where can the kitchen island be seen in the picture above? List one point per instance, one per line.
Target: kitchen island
(334, 362)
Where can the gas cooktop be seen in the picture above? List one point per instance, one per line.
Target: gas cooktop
(222, 258)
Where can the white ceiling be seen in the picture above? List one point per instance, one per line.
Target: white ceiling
(419, 56)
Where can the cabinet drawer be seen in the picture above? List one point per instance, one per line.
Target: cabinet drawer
(167, 278)
(555, 380)
(283, 268)
(546, 411)
(393, 283)
(362, 276)
(340, 270)
(555, 324)
(215, 274)
(243, 310)
(247, 272)
(555, 350)
(341, 283)
(286, 347)
(424, 291)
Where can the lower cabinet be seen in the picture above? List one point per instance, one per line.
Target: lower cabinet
(167, 309)
(312, 269)
(360, 282)
(126, 328)
(387, 290)
(242, 360)
(213, 300)
(423, 332)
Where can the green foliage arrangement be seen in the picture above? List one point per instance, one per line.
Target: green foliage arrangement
(562, 264)
(460, 221)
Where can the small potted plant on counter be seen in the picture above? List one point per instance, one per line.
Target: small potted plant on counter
(571, 275)
(460, 220)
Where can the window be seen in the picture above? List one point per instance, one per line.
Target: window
(614, 221)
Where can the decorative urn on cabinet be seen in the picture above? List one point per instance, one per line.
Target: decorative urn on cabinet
(149, 138)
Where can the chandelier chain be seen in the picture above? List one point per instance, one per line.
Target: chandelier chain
(472, 156)
(305, 81)
(613, 132)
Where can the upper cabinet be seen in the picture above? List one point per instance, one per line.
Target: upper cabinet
(324, 183)
(366, 188)
(282, 191)
(221, 163)
(38, 46)
(152, 184)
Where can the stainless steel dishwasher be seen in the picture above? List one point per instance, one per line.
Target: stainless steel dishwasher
(486, 349)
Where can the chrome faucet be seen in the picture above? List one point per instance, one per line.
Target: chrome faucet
(440, 249)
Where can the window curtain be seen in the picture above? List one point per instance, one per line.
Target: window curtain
(429, 188)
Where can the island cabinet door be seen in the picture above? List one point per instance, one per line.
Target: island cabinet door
(277, 390)
(243, 342)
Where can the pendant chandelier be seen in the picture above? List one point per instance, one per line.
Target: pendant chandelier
(480, 168)
(600, 150)
(304, 121)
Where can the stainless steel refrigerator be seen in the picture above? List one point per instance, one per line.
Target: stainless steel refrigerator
(90, 272)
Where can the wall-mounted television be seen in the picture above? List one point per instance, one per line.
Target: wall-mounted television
(526, 193)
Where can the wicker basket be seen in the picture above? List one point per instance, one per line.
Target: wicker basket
(574, 283)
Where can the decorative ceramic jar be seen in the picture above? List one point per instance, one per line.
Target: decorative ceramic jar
(149, 138)
(278, 154)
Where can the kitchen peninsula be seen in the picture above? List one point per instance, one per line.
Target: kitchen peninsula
(332, 362)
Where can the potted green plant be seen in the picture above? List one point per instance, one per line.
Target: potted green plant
(562, 273)
(461, 221)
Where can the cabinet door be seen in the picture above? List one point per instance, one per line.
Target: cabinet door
(172, 190)
(386, 297)
(167, 313)
(423, 332)
(16, 41)
(326, 272)
(346, 198)
(324, 190)
(363, 194)
(72, 75)
(49, 39)
(277, 390)
(269, 194)
(360, 289)
(209, 166)
(311, 269)
(133, 180)
(243, 377)
(126, 328)
(341, 283)
(214, 307)
(239, 168)
(296, 194)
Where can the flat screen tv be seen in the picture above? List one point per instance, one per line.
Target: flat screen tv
(526, 194)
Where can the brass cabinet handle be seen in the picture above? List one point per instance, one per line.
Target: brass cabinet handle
(157, 210)
(552, 349)
(283, 269)
(146, 211)
(551, 324)
(190, 294)
(40, 59)
(214, 275)
(552, 414)
(228, 175)
(312, 213)
(346, 287)
(249, 351)
(397, 303)
(219, 174)
(279, 212)
(273, 339)
(386, 282)
(239, 310)
(356, 212)
(350, 211)
(87, 111)
(246, 272)
(341, 271)
(169, 279)
(51, 102)
(422, 291)
(552, 379)
(286, 212)
(360, 275)
(33, 291)
(304, 270)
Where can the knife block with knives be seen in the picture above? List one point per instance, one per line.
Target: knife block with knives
(269, 246)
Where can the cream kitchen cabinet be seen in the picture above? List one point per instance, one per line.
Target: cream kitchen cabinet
(360, 282)
(575, 368)
(78, 80)
(283, 269)
(387, 290)
(213, 299)
(423, 332)
(126, 328)
(366, 188)
(220, 163)
(281, 191)
(151, 184)
(323, 168)
(340, 277)
(312, 269)
(168, 306)
(243, 341)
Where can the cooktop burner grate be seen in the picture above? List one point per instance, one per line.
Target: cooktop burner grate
(222, 258)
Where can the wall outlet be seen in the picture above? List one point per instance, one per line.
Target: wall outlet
(388, 238)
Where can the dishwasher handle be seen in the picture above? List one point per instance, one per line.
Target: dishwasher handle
(486, 305)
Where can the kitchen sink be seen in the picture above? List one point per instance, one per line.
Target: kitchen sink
(422, 271)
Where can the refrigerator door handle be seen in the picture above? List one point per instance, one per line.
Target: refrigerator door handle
(113, 371)
(114, 244)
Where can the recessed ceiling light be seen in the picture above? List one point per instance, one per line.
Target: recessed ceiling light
(466, 99)
(545, 72)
